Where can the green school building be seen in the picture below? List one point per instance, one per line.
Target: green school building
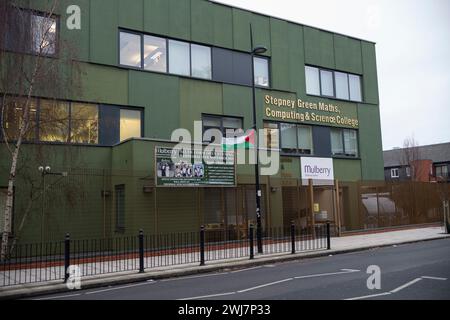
(148, 67)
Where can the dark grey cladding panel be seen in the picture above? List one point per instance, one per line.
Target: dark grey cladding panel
(231, 67)
(109, 123)
(322, 141)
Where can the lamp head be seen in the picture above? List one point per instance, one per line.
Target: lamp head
(259, 50)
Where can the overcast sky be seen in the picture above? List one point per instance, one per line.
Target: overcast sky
(413, 56)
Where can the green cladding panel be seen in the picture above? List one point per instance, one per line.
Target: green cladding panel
(202, 21)
(296, 59)
(280, 54)
(319, 47)
(370, 142)
(104, 31)
(223, 22)
(162, 112)
(180, 19)
(131, 14)
(348, 54)
(370, 81)
(156, 16)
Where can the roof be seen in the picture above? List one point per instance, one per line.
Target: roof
(434, 152)
(287, 20)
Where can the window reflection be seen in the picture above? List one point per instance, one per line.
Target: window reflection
(155, 54)
(44, 35)
(54, 121)
(130, 124)
(14, 113)
(130, 49)
(84, 123)
(261, 72)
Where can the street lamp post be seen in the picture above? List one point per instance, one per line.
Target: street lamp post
(256, 50)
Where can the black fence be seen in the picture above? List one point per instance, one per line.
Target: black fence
(31, 263)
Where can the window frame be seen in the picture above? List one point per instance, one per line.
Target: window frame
(334, 96)
(392, 173)
(280, 139)
(190, 43)
(345, 154)
(219, 117)
(269, 73)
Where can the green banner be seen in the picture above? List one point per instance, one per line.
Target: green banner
(193, 170)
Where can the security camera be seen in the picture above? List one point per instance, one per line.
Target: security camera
(47, 169)
(41, 169)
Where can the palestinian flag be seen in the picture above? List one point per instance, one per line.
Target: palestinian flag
(245, 141)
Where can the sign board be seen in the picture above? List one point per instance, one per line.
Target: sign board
(317, 169)
(194, 171)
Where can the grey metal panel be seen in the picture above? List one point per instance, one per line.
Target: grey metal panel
(322, 141)
(222, 65)
(109, 125)
(242, 68)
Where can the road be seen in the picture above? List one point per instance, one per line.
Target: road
(411, 271)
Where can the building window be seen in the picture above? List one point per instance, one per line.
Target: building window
(394, 173)
(179, 58)
(227, 126)
(44, 36)
(31, 32)
(271, 137)
(344, 142)
(355, 87)
(342, 91)
(201, 61)
(130, 124)
(334, 84)
(130, 49)
(312, 81)
(13, 115)
(326, 83)
(84, 123)
(294, 139)
(54, 121)
(261, 71)
(441, 171)
(120, 207)
(155, 54)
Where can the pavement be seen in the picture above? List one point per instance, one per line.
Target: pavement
(340, 245)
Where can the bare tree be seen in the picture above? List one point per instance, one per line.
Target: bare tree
(34, 62)
(410, 157)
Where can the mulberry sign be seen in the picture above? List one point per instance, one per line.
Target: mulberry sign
(317, 168)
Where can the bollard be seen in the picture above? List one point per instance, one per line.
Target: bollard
(141, 251)
(250, 237)
(293, 237)
(66, 257)
(328, 236)
(202, 245)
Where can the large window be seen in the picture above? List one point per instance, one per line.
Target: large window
(261, 71)
(160, 54)
(84, 123)
(155, 54)
(44, 36)
(54, 121)
(130, 50)
(294, 138)
(344, 142)
(201, 61)
(13, 113)
(441, 171)
(334, 84)
(179, 58)
(31, 32)
(130, 124)
(225, 125)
